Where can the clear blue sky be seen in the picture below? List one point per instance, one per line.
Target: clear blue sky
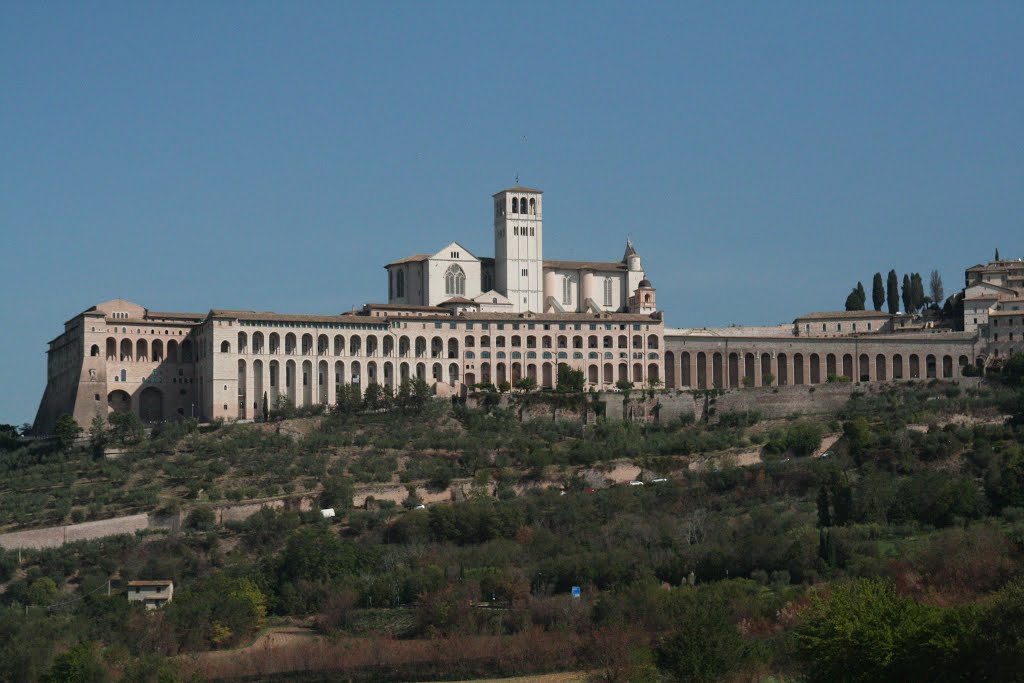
(763, 156)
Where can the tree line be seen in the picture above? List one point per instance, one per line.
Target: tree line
(890, 293)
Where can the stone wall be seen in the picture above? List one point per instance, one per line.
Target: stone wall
(56, 536)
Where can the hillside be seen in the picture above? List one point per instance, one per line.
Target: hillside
(738, 557)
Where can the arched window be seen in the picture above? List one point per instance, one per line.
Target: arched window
(515, 205)
(225, 347)
(124, 375)
(95, 350)
(454, 280)
(533, 206)
(566, 290)
(607, 291)
(400, 284)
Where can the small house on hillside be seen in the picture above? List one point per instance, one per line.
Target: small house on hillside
(152, 594)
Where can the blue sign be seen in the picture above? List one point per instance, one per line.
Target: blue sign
(575, 591)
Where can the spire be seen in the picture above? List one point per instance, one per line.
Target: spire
(630, 251)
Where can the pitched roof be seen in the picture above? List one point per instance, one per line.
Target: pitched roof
(831, 315)
(586, 265)
(415, 258)
(518, 188)
(270, 316)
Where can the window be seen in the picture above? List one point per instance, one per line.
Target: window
(566, 290)
(400, 284)
(526, 272)
(455, 254)
(454, 280)
(607, 291)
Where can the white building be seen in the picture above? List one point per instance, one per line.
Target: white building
(518, 279)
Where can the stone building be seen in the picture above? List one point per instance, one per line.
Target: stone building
(456, 319)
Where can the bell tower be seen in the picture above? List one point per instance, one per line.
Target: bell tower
(518, 248)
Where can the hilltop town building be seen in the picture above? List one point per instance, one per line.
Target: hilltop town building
(456, 319)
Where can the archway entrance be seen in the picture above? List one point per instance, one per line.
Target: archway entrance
(151, 405)
(119, 401)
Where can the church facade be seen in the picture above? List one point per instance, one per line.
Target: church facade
(457, 319)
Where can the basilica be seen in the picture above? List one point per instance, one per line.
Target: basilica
(458, 320)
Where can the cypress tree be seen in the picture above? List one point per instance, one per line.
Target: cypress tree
(853, 301)
(917, 290)
(908, 294)
(862, 295)
(892, 293)
(997, 253)
(877, 292)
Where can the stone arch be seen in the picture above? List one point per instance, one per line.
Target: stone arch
(500, 374)
(421, 371)
(517, 372)
(371, 345)
(389, 374)
(453, 373)
(274, 380)
(931, 366)
(141, 351)
(702, 370)
(652, 374)
(915, 366)
(436, 347)
(607, 342)
(485, 373)
(798, 368)
(734, 369)
(158, 350)
(355, 345)
(307, 344)
(243, 400)
(111, 348)
(767, 376)
(748, 370)
(257, 342)
(225, 346)
(453, 348)
(652, 341)
(339, 376)
(371, 372)
(638, 341)
(593, 375)
(684, 369)
(848, 365)
(291, 380)
(323, 382)
(638, 373)
(94, 351)
(947, 366)
(290, 344)
(118, 401)
(670, 370)
(717, 378)
(863, 368)
(881, 372)
(257, 388)
(783, 364)
(243, 342)
(151, 405)
(897, 366)
(623, 341)
(963, 362)
(388, 345)
(339, 345)
(623, 372)
(126, 350)
(357, 373)
(815, 369)
(830, 366)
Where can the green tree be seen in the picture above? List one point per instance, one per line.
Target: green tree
(526, 384)
(66, 430)
(98, 436)
(997, 254)
(862, 295)
(862, 632)
(877, 292)
(569, 380)
(706, 645)
(853, 301)
(42, 591)
(908, 294)
(917, 289)
(80, 664)
(338, 492)
(892, 293)
(935, 287)
(125, 428)
(824, 507)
